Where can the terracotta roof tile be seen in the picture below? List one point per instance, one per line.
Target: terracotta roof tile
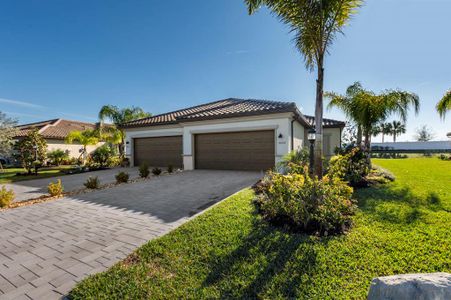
(54, 129)
(228, 108)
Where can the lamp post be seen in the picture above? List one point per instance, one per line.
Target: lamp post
(311, 136)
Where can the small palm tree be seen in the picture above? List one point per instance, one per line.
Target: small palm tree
(444, 105)
(382, 129)
(85, 138)
(118, 116)
(367, 109)
(397, 128)
(315, 24)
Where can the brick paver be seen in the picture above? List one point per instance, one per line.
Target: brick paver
(47, 248)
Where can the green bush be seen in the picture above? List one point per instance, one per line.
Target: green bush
(92, 183)
(156, 171)
(114, 161)
(102, 155)
(144, 171)
(55, 188)
(350, 166)
(122, 177)
(304, 204)
(6, 197)
(300, 157)
(170, 169)
(58, 156)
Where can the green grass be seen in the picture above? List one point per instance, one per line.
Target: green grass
(9, 175)
(229, 252)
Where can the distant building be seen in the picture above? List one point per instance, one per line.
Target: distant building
(432, 146)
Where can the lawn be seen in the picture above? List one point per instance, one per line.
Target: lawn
(229, 252)
(9, 175)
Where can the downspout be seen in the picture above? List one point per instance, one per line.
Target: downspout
(292, 134)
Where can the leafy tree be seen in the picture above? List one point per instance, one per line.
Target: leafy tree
(368, 109)
(424, 134)
(349, 135)
(31, 151)
(315, 24)
(85, 138)
(114, 134)
(383, 129)
(444, 105)
(8, 131)
(397, 128)
(58, 156)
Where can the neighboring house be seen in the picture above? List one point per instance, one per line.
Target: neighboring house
(432, 146)
(55, 131)
(230, 134)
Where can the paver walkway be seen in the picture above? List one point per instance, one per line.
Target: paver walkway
(34, 188)
(47, 248)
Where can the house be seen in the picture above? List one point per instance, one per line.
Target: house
(55, 131)
(230, 134)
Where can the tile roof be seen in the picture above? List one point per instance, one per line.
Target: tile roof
(54, 129)
(228, 108)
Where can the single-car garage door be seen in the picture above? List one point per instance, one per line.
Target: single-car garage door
(159, 151)
(250, 150)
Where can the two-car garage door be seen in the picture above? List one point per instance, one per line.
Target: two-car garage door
(250, 150)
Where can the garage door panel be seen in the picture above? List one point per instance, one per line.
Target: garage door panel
(253, 150)
(159, 151)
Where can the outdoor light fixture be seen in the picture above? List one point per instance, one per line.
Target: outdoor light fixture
(311, 136)
(280, 135)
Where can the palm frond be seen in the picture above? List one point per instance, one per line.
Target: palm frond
(444, 105)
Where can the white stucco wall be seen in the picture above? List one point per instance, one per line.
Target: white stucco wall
(298, 136)
(72, 148)
(334, 138)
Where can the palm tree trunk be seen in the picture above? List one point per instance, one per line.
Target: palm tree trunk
(394, 137)
(382, 137)
(359, 135)
(318, 155)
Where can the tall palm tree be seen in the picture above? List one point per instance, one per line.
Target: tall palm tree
(85, 138)
(382, 129)
(444, 105)
(367, 109)
(315, 24)
(397, 128)
(119, 116)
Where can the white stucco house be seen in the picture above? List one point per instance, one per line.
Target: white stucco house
(234, 134)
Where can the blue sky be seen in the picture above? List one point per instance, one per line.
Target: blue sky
(68, 58)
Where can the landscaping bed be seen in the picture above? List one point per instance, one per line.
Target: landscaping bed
(230, 252)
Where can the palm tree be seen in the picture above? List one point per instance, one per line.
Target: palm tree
(397, 128)
(367, 109)
(444, 105)
(85, 138)
(118, 116)
(315, 25)
(383, 129)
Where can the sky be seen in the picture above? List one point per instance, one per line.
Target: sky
(65, 59)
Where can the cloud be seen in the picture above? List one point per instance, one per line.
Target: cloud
(20, 103)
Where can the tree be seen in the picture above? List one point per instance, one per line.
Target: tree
(8, 131)
(31, 151)
(444, 105)
(383, 129)
(58, 156)
(368, 109)
(114, 133)
(424, 134)
(316, 24)
(397, 128)
(85, 138)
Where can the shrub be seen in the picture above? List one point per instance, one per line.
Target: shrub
(300, 157)
(351, 167)
(114, 161)
(144, 171)
(102, 154)
(156, 171)
(310, 205)
(6, 197)
(55, 188)
(92, 182)
(170, 169)
(58, 156)
(122, 177)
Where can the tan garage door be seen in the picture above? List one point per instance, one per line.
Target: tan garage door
(251, 150)
(159, 151)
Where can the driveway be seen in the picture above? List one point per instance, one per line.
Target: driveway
(47, 248)
(34, 188)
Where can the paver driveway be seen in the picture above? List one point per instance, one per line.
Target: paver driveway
(46, 248)
(34, 188)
